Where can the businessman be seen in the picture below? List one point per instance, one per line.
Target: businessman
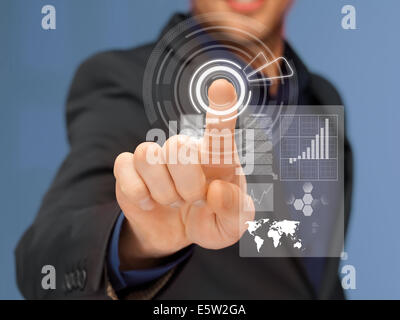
(116, 226)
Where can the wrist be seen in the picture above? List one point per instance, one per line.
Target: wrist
(132, 254)
(136, 254)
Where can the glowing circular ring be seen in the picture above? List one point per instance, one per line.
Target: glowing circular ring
(204, 75)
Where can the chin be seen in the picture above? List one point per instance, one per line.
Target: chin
(243, 24)
(261, 18)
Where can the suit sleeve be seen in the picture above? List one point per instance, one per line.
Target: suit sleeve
(72, 228)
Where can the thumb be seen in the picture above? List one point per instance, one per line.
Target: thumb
(233, 208)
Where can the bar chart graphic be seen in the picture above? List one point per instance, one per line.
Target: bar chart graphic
(309, 147)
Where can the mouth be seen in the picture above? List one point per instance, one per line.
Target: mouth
(245, 6)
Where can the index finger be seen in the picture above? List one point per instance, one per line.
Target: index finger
(222, 97)
(219, 149)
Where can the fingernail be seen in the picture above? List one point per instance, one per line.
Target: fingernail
(177, 204)
(199, 203)
(146, 204)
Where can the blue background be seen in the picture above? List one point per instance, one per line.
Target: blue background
(36, 68)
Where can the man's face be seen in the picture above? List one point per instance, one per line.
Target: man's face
(270, 13)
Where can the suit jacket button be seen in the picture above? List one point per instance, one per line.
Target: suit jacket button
(74, 280)
(81, 277)
(67, 282)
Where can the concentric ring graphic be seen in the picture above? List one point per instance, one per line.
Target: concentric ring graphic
(211, 71)
(197, 51)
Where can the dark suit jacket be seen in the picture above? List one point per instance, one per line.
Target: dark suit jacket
(105, 116)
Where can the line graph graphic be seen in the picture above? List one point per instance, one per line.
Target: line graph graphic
(262, 195)
(309, 147)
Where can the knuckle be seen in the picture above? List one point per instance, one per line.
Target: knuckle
(180, 149)
(138, 190)
(145, 151)
(164, 197)
(176, 141)
(192, 196)
(195, 191)
(120, 161)
(140, 151)
(134, 190)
